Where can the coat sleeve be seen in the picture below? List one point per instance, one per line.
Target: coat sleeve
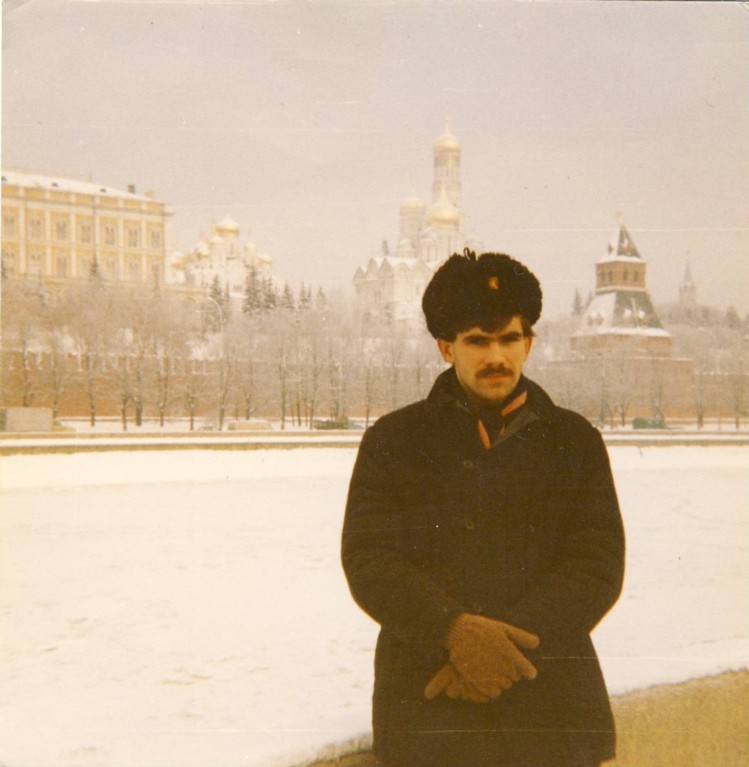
(584, 581)
(391, 589)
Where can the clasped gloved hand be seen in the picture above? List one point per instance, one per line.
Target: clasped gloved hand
(449, 681)
(484, 653)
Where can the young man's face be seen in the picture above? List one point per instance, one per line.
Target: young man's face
(488, 365)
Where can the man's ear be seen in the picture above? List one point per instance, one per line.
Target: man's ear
(528, 345)
(446, 350)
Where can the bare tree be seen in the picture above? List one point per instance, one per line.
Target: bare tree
(311, 364)
(91, 318)
(22, 307)
(169, 346)
(659, 388)
(622, 383)
(58, 373)
(122, 387)
(223, 379)
(195, 386)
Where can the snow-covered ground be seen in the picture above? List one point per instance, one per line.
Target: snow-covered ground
(180, 608)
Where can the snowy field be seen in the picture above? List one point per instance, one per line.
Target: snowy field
(187, 608)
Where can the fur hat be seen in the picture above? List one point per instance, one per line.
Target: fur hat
(468, 292)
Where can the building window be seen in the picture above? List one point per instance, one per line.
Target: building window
(155, 239)
(626, 275)
(36, 228)
(9, 262)
(87, 232)
(61, 230)
(62, 266)
(110, 266)
(133, 270)
(133, 237)
(110, 234)
(10, 226)
(35, 263)
(635, 275)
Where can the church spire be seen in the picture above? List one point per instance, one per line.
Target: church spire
(687, 289)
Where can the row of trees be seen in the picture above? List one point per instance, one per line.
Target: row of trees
(100, 349)
(261, 295)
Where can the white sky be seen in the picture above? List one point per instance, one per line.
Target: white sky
(309, 124)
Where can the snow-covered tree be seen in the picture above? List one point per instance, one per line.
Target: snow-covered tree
(578, 307)
(252, 302)
(287, 298)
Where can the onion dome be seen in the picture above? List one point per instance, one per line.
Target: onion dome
(227, 224)
(447, 142)
(412, 203)
(443, 212)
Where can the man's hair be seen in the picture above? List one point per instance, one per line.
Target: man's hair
(484, 292)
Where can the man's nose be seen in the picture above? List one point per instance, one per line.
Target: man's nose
(496, 353)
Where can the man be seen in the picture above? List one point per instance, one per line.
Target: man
(483, 534)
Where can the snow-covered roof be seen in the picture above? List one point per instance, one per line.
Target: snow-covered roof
(621, 312)
(621, 331)
(386, 263)
(621, 246)
(62, 184)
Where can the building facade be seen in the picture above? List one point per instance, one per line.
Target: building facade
(56, 230)
(391, 285)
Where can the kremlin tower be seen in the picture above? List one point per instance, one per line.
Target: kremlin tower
(621, 313)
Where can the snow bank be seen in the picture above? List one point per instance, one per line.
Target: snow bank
(187, 608)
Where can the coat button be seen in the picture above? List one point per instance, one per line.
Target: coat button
(468, 464)
(469, 523)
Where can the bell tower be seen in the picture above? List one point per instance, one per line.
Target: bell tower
(447, 168)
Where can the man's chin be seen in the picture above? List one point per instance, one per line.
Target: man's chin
(495, 395)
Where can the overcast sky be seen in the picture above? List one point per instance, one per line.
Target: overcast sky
(310, 122)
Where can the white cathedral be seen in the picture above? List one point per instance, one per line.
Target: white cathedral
(391, 286)
(223, 256)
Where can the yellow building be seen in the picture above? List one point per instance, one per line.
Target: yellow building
(60, 229)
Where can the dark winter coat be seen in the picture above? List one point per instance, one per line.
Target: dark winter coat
(527, 531)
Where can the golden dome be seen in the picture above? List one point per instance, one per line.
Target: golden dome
(447, 142)
(443, 215)
(227, 224)
(412, 203)
(443, 212)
